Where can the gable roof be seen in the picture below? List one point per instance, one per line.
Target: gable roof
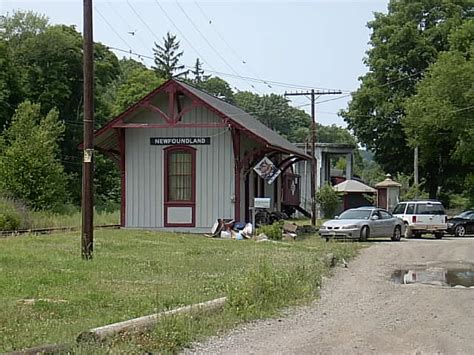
(235, 115)
(245, 120)
(353, 186)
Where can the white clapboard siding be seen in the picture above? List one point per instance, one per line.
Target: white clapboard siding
(144, 171)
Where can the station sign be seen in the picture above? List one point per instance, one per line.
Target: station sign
(180, 140)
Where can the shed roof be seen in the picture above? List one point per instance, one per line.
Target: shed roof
(353, 186)
(388, 182)
(105, 137)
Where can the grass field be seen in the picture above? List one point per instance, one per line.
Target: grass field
(53, 220)
(135, 273)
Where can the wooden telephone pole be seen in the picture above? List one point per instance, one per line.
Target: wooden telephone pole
(87, 240)
(313, 94)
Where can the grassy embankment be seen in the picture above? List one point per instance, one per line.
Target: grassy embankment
(15, 215)
(135, 273)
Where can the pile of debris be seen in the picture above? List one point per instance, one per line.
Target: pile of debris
(230, 229)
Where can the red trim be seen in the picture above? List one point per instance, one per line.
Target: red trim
(132, 108)
(172, 86)
(192, 202)
(171, 103)
(121, 139)
(179, 125)
(187, 109)
(148, 105)
(237, 171)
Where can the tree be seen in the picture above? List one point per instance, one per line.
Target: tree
(198, 73)
(217, 87)
(29, 167)
(22, 24)
(439, 116)
(135, 82)
(167, 58)
(9, 88)
(328, 198)
(275, 112)
(405, 41)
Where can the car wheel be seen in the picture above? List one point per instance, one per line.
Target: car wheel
(439, 235)
(364, 234)
(408, 233)
(460, 231)
(397, 234)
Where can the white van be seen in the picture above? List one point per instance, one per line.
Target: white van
(422, 217)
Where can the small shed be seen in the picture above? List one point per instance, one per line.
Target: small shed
(388, 193)
(356, 194)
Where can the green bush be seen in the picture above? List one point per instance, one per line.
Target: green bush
(328, 199)
(272, 231)
(10, 218)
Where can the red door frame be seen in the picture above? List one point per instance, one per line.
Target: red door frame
(191, 203)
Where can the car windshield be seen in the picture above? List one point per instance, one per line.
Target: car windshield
(400, 209)
(466, 214)
(355, 214)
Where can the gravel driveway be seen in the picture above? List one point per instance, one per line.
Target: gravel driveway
(362, 311)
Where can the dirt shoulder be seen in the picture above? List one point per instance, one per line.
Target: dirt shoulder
(362, 311)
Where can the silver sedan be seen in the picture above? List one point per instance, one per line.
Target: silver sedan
(362, 223)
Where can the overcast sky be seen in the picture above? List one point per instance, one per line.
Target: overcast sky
(308, 44)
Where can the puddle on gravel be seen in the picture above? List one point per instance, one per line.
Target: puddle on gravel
(462, 276)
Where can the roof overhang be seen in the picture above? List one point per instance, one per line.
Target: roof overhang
(106, 137)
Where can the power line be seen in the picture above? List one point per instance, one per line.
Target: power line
(276, 83)
(125, 21)
(112, 28)
(239, 59)
(182, 34)
(210, 44)
(143, 21)
(334, 99)
(463, 109)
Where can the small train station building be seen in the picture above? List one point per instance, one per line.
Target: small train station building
(187, 158)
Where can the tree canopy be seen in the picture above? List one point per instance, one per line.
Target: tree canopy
(442, 112)
(29, 166)
(404, 42)
(167, 57)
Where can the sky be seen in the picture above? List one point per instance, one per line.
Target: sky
(259, 46)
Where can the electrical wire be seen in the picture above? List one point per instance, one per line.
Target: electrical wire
(125, 22)
(112, 28)
(231, 49)
(183, 36)
(211, 46)
(275, 83)
(144, 23)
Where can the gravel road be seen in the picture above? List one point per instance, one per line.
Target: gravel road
(362, 311)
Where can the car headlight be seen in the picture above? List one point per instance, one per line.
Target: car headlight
(352, 226)
(450, 225)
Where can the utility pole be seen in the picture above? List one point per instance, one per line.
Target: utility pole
(87, 241)
(415, 165)
(415, 170)
(313, 94)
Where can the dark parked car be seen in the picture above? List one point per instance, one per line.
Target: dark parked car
(462, 224)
